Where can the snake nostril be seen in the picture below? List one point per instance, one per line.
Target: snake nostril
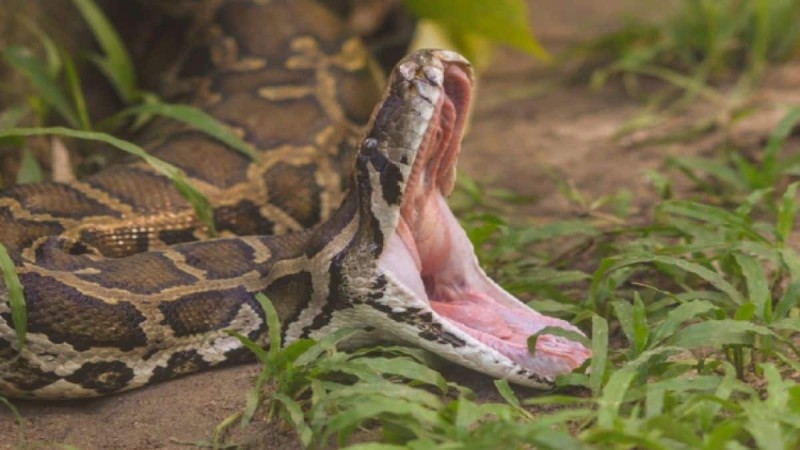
(369, 146)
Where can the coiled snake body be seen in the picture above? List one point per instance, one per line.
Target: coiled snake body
(122, 291)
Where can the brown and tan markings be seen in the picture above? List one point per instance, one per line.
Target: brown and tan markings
(291, 97)
(122, 290)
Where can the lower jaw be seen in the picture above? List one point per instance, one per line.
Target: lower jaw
(461, 295)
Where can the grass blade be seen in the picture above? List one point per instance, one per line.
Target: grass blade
(115, 63)
(16, 299)
(757, 284)
(35, 71)
(273, 324)
(686, 311)
(718, 332)
(556, 331)
(787, 123)
(199, 203)
(29, 169)
(786, 213)
(297, 417)
(502, 21)
(641, 329)
(619, 383)
(615, 263)
(599, 353)
(76, 92)
(196, 119)
(51, 53)
(789, 300)
(12, 116)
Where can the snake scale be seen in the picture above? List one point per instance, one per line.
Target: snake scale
(340, 221)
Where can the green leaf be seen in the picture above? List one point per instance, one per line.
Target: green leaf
(721, 435)
(375, 446)
(553, 277)
(16, 299)
(51, 52)
(504, 21)
(253, 398)
(710, 215)
(12, 116)
(199, 203)
(376, 407)
(662, 184)
(618, 384)
(624, 312)
(273, 324)
(640, 326)
(787, 123)
(409, 369)
(33, 69)
(609, 265)
(261, 355)
(76, 92)
(791, 259)
(674, 429)
(786, 213)
(196, 119)
(764, 417)
(508, 395)
(556, 229)
(328, 342)
(753, 198)
(12, 409)
(505, 391)
(722, 172)
(431, 34)
(555, 331)
(384, 389)
(790, 299)
(599, 353)
(115, 63)
(29, 169)
(757, 284)
(677, 384)
(296, 416)
(718, 332)
(745, 312)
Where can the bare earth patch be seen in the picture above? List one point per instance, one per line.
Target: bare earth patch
(519, 137)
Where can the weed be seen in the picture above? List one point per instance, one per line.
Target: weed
(704, 42)
(693, 315)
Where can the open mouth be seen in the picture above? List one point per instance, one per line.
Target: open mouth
(431, 256)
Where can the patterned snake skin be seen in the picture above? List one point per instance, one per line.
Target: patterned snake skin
(124, 289)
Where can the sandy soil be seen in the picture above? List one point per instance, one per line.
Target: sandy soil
(520, 135)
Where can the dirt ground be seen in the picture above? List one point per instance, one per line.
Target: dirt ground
(519, 136)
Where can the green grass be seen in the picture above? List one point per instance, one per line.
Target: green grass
(733, 175)
(704, 45)
(694, 319)
(693, 316)
(704, 40)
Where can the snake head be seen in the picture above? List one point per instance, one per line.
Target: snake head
(431, 290)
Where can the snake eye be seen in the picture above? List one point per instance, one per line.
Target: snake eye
(77, 248)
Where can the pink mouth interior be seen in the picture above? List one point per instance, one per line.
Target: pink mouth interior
(431, 255)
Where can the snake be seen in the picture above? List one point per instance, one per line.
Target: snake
(340, 220)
